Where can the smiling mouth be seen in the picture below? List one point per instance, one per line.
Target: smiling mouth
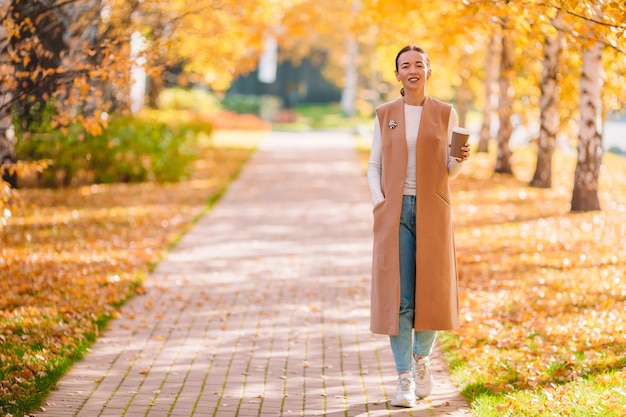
(413, 79)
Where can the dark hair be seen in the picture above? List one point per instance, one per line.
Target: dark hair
(412, 48)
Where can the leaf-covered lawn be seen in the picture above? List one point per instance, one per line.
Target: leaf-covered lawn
(70, 256)
(543, 291)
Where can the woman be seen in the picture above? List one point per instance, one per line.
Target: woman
(414, 276)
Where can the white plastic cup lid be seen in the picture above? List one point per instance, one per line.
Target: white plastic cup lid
(461, 130)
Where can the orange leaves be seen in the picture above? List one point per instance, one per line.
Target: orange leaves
(68, 257)
(82, 85)
(8, 204)
(231, 120)
(543, 294)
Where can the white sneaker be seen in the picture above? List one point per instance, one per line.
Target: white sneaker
(405, 392)
(422, 376)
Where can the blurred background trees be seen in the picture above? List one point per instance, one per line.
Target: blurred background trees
(551, 70)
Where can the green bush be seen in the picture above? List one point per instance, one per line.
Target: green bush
(134, 150)
(131, 149)
(264, 106)
(242, 104)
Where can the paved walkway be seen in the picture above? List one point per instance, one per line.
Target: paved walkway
(262, 309)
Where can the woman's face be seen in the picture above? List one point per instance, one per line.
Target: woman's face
(413, 70)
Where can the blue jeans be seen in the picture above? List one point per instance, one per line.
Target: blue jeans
(419, 342)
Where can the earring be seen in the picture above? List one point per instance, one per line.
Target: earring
(402, 91)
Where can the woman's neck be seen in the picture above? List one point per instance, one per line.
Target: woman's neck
(414, 98)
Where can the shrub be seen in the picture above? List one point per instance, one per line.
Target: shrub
(266, 107)
(131, 149)
(195, 99)
(242, 104)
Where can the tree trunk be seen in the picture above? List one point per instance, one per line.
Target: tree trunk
(549, 106)
(348, 94)
(155, 85)
(490, 79)
(351, 76)
(464, 92)
(585, 193)
(7, 141)
(44, 45)
(505, 108)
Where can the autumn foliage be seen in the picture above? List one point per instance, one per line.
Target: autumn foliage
(231, 120)
(543, 291)
(69, 257)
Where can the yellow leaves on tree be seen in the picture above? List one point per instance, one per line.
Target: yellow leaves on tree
(217, 45)
(81, 85)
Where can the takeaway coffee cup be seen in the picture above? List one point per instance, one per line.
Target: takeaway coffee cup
(460, 136)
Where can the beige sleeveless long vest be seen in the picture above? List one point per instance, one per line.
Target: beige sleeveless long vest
(436, 298)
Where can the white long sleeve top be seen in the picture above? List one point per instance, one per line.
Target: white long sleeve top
(412, 117)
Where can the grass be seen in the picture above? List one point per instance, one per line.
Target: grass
(70, 257)
(542, 291)
(326, 116)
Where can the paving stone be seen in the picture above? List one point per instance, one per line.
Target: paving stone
(262, 309)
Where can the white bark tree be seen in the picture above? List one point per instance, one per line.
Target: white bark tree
(348, 94)
(505, 105)
(585, 193)
(351, 74)
(549, 107)
(491, 73)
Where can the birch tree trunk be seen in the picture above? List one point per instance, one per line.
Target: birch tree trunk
(348, 94)
(505, 107)
(585, 193)
(351, 78)
(549, 107)
(464, 92)
(490, 80)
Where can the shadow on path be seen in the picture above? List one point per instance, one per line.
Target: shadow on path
(262, 309)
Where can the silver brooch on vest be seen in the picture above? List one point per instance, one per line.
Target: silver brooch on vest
(392, 124)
